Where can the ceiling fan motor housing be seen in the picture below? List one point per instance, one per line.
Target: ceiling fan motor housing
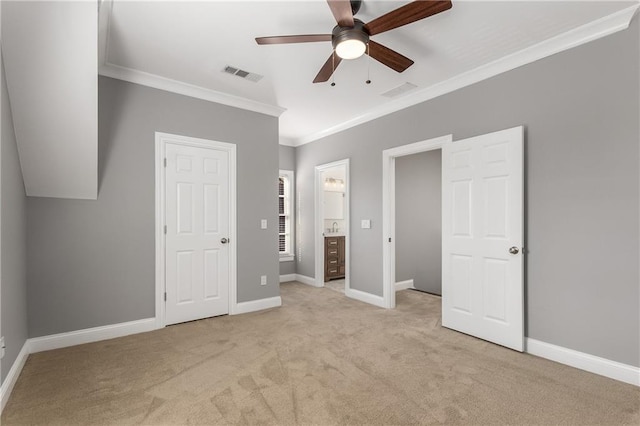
(357, 32)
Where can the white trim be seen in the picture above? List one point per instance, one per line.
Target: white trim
(186, 89)
(287, 258)
(161, 140)
(288, 277)
(365, 297)
(404, 285)
(258, 305)
(89, 335)
(284, 141)
(594, 364)
(319, 221)
(389, 210)
(599, 28)
(307, 280)
(12, 377)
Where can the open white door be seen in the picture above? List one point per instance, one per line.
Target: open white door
(197, 232)
(482, 237)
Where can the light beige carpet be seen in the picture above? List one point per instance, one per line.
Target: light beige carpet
(319, 359)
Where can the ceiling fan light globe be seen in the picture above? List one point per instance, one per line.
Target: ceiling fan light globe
(351, 49)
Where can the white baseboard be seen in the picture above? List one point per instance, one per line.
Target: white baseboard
(306, 280)
(403, 285)
(12, 376)
(258, 305)
(593, 364)
(363, 296)
(89, 335)
(287, 278)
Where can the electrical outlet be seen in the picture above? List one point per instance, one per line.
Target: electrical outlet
(263, 280)
(365, 224)
(1, 347)
(263, 224)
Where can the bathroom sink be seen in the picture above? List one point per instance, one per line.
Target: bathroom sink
(334, 234)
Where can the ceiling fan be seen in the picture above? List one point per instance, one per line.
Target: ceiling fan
(351, 37)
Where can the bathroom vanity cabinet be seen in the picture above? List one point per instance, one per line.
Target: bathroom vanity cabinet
(334, 258)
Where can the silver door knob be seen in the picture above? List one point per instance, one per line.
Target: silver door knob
(224, 240)
(514, 250)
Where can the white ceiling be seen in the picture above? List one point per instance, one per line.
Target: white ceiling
(191, 42)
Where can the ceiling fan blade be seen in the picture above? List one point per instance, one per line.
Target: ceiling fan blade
(327, 69)
(389, 57)
(302, 38)
(407, 14)
(341, 10)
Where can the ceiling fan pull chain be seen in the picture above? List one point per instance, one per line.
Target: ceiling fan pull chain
(333, 66)
(368, 66)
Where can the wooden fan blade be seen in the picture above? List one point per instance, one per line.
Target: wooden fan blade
(327, 69)
(389, 57)
(302, 38)
(407, 14)
(341, 10)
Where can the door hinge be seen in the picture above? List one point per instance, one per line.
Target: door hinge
(165, 162)
(165, 296)
(165, 229)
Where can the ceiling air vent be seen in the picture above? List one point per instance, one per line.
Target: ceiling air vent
(404, 88)
(242, 73)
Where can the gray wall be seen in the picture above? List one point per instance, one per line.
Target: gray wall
(91, 263)
(419, 220)
(14, 242)
(580, 110)
(288, 162)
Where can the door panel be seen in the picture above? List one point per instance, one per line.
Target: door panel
(197, 218)
(483, 217)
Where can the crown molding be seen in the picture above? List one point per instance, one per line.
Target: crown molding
(284, 141)
(179, 87)
(594, 30)
(158, 82)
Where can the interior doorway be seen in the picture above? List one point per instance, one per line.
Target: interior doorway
(332, 225)
(418, 222)
(389, 233)
(482, 233)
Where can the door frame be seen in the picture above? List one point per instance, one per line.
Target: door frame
(161, 140)
(319, 224)
(389, 209)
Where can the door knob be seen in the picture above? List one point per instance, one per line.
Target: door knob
(514, 250)
(225, 241)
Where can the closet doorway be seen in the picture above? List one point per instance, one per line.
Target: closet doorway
(389, 219)
(482, 233)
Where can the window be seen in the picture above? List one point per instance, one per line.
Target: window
(285, 224)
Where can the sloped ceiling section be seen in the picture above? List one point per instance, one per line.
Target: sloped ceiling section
(50, 52)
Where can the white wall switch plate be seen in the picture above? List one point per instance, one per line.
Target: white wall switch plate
(365, 224)
(263, 280)
(263, 224)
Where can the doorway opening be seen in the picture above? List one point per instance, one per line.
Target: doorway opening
(332, 225)
(418, 224)
(389, 216)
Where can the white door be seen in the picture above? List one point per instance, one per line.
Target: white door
(482, 237)
(197, 219)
